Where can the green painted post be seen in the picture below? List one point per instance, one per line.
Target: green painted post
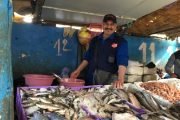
(6, 81)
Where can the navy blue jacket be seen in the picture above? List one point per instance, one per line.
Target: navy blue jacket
(106, 54)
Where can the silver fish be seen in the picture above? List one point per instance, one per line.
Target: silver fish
(41, 94)
(31, 110)
(50, 107)
(143, 101)
(134, 100)
(45, 100)
(25, 105)
(61, 111)
(55, 116)
(121, 93)
(39, 116)
(151, 101)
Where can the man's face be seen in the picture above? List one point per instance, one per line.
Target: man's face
(109, 27)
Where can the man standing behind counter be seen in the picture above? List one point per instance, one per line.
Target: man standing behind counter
(174, 60)
(107, 56)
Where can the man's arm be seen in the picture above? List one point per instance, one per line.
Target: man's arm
(83, 64)
(121, 73)
(122, 62)
(169, 65)
(76, 73)
(86, 58)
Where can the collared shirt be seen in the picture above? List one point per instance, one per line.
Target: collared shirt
(122, 53)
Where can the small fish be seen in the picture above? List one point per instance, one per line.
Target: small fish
(121, 93)
(113, 101)
(25, 105)
(45, 100)
(39, 116)
(143, 101)
(41, 94)
(134, 100)
(55, 116)
(35, 98)
(42, 89)
(151, 101)
(50, 107)
(75, 116)
(123, 116)
(61, 111)
(31, 110)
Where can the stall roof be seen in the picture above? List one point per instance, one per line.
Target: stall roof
(92, 11)
(165, 20)
(143, 12)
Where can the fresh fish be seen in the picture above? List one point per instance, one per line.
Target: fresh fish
(55, 116)
(111, 109)
(101, 102)
(67, 115)
(121, 94)
(25, 105)
(61, 111)
(175, 110)
(50, 107)
(28, 101)
(31, 110)
(35, 98)
(75, 116)
(43, 90)
(60, 103)
(113, 101)
(151, 101)
(45, 100)
(167, 114)
(39, 116)
(134, 100)
(143, 101)
(59, 99)
(123, 116)
(106, 100)
(41, 94)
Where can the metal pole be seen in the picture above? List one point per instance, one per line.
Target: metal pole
(6, 81)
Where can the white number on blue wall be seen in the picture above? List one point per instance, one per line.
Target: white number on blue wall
(152, 49)
(58, 46)
(143, 47)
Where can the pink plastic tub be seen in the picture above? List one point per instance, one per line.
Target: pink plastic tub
(68, 82)
(38, 79)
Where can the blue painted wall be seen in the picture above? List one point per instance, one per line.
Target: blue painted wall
(35, 49)
(6, 82)
(162, 49)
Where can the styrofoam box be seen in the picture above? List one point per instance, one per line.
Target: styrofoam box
(133, 78)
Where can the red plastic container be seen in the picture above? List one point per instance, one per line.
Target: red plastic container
(68, 82)
(38, 79)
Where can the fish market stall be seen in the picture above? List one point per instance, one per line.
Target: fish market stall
(88, 103)
(158, 96)
(95, 102)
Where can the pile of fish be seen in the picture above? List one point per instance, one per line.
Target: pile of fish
(156, 109)
(60, 103)
(99, 103)
(164, 90)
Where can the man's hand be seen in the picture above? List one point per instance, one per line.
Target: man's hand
(118, 84)
(75, 74)
(173, 75)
